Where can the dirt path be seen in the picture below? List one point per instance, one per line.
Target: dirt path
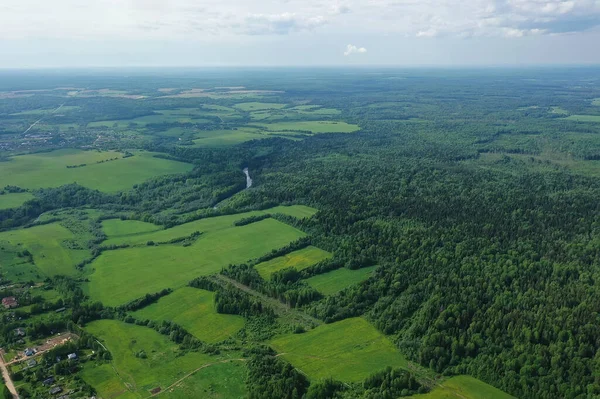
(7, 378)
(280, 308)
(179, 381)
(49, 344)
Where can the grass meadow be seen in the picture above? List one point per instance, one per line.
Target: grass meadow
(334, 281)
(464, 387)
(122, 275)
(14, 200)
(219, 381)
(109, 176)
(299, 260)
(131, 376)
(117, 228)
(194, 310)
(129, 230)
(584, 118)
(312, 126)
(348, 350)
(50, 245)
(258, 106)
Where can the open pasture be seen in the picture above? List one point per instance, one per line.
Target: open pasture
(258, 106)
(125, 274)
(14, 200)
(311, 126)
(206, 225)
(218, 381)
(334, 281)
(51, 246)
(348, 350)
(584, 118)
(226, 137)
(194, 310)
(135, 376)
(102, 171)
(299, 260)
(464, 387)
(117, 228)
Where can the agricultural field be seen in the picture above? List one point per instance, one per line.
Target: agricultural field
(334, 281)
(122, 275)
(14, 200)
(104, 170)
(312, 126)
(257, 106)
(596, 101)
(299, 260)
(584, 118)
(348, 351)
(131, 236)
(132, 375)
(464, 387)
(54, 248)
(226, 137)
(118, 229)
(194, 310)
(219, 381)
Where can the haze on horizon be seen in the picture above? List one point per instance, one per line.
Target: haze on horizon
(70, 33)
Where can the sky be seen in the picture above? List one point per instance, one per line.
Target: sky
(154, 33)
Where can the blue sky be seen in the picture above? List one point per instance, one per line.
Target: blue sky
(76, 33)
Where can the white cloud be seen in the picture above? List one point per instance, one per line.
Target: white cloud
(352, 49)
(280, 24)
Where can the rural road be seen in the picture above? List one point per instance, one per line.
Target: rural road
(6, 375)
(39, 120)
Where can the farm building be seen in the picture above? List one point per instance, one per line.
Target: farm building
(55, 390)
(72, 356)
(20, 332)
(49, 381)
(31, 363)
(29, 352)
(10, 302)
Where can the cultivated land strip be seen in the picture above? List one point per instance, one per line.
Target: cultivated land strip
(280, 308)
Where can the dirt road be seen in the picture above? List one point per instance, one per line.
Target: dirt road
(7, 378)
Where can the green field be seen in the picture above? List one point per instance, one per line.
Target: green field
(299, 260)
(559, 111)
(14, 200)
(110, 176)
(348, 350)
(257, 106)
(464, 387)
(584, 118)
(312, 126)
(219, 381)
(596, 101)
(117, 228)
(50, 246)
(205, 225)
(219, 138)
(132, 376)
(125, 274)
(194, 310)
(334, 281)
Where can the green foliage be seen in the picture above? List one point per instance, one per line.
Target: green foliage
(271, 377)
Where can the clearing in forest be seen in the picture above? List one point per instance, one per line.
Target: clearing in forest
(299, 260)
(334, 281)
(464, 387)
(584, 118)
(14, 200)
(142, 360)
(55, 249)
(194, 310)
(122, 275)
(106, 171)
(349, 350)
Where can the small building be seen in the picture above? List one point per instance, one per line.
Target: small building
(10, 302)
(29, 352)
(31, 363)
(60, 310)
(72, 356)
(20, 332)
(49, 381)
(55, 390)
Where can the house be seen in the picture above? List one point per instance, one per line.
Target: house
(31, 363)
(10, 302)
(55, 390)
(20, 332)
(29, 352)
(72, 356)
(49, 381)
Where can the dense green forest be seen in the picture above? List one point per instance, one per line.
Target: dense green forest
(475, 193)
